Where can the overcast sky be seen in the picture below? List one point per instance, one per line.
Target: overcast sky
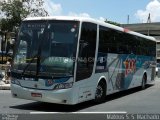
(113, 10)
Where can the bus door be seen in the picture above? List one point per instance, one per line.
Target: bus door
(86, 59)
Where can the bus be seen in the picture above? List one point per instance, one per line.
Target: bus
(158, 51)
(69, 60)
(158, 57)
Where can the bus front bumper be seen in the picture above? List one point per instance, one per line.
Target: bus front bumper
(63, 96)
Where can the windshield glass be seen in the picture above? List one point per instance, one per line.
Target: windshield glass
(53, 42)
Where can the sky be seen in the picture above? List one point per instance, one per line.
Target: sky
(112, 10)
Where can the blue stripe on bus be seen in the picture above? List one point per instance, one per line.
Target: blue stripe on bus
(51, 82)
(122, 68)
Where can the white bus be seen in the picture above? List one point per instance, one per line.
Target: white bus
(69, 60)
(158, 51)
(158, 57)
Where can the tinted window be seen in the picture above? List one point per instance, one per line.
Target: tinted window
(114, 41)
(87, 47)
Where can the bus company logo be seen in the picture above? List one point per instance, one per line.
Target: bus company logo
(130, 66)
(49, 82)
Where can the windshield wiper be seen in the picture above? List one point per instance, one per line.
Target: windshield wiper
(28, 65)
(38, 62)
(38, 54)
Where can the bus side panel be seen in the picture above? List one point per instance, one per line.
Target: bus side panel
(121, 70)
(126, 71)
(85, 89)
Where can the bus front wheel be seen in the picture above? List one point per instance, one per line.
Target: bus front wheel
(100, 92)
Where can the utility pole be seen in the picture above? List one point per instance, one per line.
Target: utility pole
(149, 18)
(128, 19)
(149, 21)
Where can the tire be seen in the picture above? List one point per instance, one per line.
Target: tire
(100, 92)
(144, 79)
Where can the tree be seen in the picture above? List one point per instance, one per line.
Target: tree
(113, 23)
(14, 11)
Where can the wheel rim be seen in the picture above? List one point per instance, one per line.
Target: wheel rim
(99, 92)
(143, 82)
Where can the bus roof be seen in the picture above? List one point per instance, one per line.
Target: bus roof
(87, 19)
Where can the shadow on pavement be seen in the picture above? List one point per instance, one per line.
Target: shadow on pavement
(51, 107)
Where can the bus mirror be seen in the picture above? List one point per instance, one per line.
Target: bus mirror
(158, 72)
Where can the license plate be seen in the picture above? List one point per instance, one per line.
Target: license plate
(36, 94)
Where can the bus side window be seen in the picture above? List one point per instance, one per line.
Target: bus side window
(87, 47)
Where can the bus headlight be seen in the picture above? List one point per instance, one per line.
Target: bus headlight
(63, 86)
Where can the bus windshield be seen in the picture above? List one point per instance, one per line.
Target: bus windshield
(48, 47)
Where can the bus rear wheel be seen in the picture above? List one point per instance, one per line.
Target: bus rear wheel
(100, 92)
(144, 80)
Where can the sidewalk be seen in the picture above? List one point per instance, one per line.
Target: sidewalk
(4, 86)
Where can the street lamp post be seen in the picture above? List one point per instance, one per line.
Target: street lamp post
(0, 42)
(3, 39)
(4, 35)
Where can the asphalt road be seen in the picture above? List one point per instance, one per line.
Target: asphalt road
(131, 101)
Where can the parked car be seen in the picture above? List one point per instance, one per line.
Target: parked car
(4, 57)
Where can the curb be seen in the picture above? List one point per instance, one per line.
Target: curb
(5, 87)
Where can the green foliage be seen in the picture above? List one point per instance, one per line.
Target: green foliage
(113, 23)
(5, 24)
(14, 11)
